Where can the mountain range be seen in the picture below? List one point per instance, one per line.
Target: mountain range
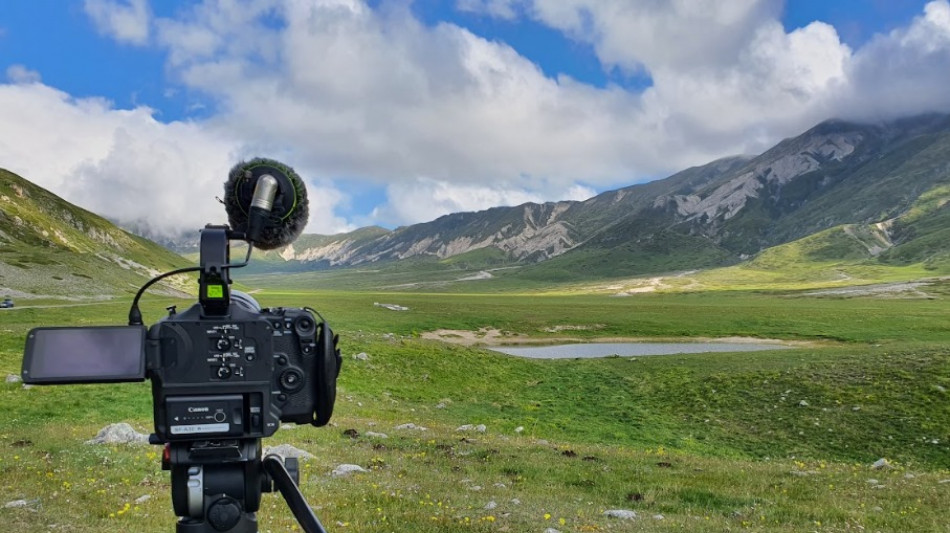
(890, 179)
(874, 193)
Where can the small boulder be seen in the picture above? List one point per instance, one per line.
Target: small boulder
(120, 433)
(881, 464)
(18, 504)
(288, 451)
(622, 514)
(345, 470)
(410, 425)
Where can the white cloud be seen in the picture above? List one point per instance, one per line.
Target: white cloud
(126, 21)
(426, 199)
(504, 9)
(904, 72)
(379, 95)
(125, 165)
(21, 74)
(324, 199)
(677, 34)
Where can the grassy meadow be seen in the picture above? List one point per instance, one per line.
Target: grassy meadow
(779, 440)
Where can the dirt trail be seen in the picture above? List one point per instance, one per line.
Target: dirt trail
(496, 337)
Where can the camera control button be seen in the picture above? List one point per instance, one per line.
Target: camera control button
(291, 380)
(223, 344)
(220, 417)
(224, 372)
(282, 360)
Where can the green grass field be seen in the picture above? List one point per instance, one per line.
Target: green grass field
(778, 440)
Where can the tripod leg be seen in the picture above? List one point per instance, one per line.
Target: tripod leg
(292, 495)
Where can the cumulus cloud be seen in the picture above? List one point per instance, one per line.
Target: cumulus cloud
(904, 72)
(126, 21)
(677, 34)
(379, 95)
(126, 165)
(119, 163)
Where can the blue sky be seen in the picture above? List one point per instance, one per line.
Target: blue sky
(397, 112)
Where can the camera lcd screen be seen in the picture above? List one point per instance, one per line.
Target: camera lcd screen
(100, 354)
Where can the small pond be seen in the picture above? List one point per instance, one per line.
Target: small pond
(632, 349)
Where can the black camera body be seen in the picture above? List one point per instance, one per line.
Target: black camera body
(239, 375)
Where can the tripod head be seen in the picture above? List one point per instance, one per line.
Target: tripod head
(217, 486)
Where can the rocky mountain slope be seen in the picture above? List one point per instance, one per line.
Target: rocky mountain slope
(49, 247)
(716, 214)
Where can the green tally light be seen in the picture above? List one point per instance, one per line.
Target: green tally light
(215, 291)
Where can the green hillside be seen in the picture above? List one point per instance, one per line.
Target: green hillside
(49, 247)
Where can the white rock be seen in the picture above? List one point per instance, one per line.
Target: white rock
(803, 403)
(16, 504)
(375, 435)
(551, 530)
(881, 464)
(490, 505)
(659, 517)
(286, 450)
(142, 499)
(519, 429)
(13, 378)
(120, 433)
(410, 425)
(345, 470)
(471, 427)
(623, 514)
(362, 356)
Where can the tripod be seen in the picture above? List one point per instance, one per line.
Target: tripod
(217, 486)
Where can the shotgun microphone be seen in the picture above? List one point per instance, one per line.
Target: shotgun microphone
(267, 201)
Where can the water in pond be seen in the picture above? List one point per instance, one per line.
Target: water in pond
(630, 349)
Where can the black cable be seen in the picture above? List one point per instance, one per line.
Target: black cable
(135, 315)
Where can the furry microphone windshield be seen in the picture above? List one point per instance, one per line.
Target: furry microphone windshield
(288, 217)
